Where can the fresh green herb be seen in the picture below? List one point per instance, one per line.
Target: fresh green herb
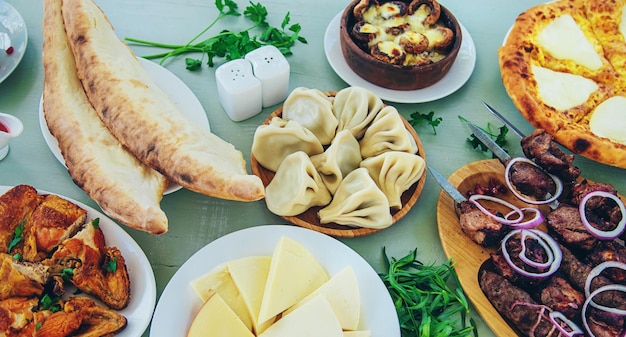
(18, 233)
(38, 326)
(17, 256)
(111, 266)
(67, 273)
(417, 118)
(96, 223)
(50, 303)
(428, 298)
(499, 137)
(232, 45)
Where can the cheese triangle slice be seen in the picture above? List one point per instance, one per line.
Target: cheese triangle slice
(216, 319)
(342, 293)
(313, 319)
(562, 91)
(220, 281)
(249, 275)
(294, 273)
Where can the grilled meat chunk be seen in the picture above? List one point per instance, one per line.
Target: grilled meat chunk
(479, 227)
(517, 306)
(540, 147)
(603, 210)
(531, 180)
(609, 251)
(565, 224)
(559, 295)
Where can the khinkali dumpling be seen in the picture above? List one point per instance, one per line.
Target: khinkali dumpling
(280, 138)
(314, 110)
(355, 108)
(339, 159)
(395, 172)
(386, 133)
(296, 187)
(358, 202)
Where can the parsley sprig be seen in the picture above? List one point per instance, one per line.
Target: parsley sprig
(498, 136)
(229, 44)
(429, 299)
(18, 234)
(418, 118)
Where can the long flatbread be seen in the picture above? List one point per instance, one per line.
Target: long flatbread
(125, 188)
(144, 118)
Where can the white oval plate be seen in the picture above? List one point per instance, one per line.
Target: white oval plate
(178, 91)
(143, 285)
(459, 73)
(179, 303)
(13, 33)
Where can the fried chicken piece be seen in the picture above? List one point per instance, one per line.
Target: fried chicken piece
(16, 206)
(21, 279)
(96, 320)
(18, 314)
(98, 270)
(54, 220)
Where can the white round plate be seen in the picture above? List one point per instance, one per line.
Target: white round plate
(13, 33)
(179, 303)
(459, 73)
(178, 91)
(143, 285)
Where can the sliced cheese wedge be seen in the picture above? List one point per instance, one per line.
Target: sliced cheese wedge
(219, 281)
(342, 293)
(217, 319)
(564, 39)
(249, 275)
(562, 91)
(313, 319)
(609, 119)
(294, 274)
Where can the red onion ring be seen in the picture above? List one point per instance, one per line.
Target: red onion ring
(503, 220)
(534, 222)
(602, 235)
(589, 300)
(574, 330)
(557, 182)
(551, 247)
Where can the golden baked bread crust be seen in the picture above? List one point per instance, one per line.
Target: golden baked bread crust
(521, 51)
(143, 117)
(123, 187)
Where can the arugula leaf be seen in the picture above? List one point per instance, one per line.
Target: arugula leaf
(429, 299)
(18, 233)
(228, 44)
(417, 118)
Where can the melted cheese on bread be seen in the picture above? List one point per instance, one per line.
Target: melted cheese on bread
(562, 91)
(609, 119)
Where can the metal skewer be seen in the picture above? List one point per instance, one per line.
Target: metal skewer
(504, 120)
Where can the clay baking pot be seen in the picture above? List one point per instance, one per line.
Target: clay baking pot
(392, 76)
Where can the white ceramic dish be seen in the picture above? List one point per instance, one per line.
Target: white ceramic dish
(178, 91)
(143, 285)
(13, 33)
(179, 303)
(459, 73)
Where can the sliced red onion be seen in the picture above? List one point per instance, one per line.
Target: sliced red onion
(570, 330)
(557, 182)
(597, 270)
(531, 223)
(551, 247)
(589, 301)
(600, 234)
(504, 220)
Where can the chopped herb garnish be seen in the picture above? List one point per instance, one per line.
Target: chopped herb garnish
(228, 44)
(17, 256)
(38, 326)
(50, 303)
(429, 299)
(111, 266)
(96, 223)
(417, 118)
(18, 233)
(67, 273)
(499, 137)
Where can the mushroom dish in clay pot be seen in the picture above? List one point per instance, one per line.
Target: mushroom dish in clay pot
(399, 45)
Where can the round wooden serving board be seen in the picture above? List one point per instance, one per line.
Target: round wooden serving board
(309, 218)
(468, 256)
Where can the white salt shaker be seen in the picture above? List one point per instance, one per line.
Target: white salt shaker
(239, 90)
(10, 127)
(271, 67)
